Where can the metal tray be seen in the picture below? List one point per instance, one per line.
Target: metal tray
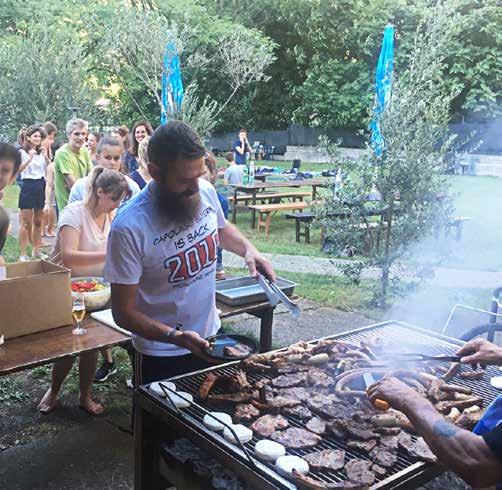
(244, 290)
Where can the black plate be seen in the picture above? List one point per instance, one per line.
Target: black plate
(219, 342)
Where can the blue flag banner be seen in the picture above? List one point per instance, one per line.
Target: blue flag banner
(383, 85)
(172, 84)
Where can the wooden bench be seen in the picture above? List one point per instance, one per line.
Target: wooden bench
(270, 196)
(265, 212)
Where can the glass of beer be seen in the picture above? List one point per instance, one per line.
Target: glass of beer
(78, 313)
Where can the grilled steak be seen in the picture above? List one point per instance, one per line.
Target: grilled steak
(267, 425)
(207, 385)
(337, 428)
(297, 393)
(379, 470)
(388, 431)
(245, 412)
(288, 368)
(317, 377)
(296, 438)
(230, 398)
(300, 411)
(358, 470)
(289, 380)
(330, 410)
(360, 430)
(404, 439)
(365, 446)
(420, 450)
(312, 483)
(282, 402)
(238, 350)
(389, 442)
(317, 425)
(328, 459)
(383, 457)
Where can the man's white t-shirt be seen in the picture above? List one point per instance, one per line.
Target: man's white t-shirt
(174, 266)
(79, 189)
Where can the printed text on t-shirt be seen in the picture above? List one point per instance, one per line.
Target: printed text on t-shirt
(188, 263)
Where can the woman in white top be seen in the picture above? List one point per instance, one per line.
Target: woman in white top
(81, 241)
(34, 161)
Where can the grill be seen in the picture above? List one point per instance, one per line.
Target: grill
(406, 473)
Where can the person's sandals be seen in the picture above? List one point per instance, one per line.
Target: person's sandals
(220, 275)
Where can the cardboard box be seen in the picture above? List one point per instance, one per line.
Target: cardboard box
(36, 296)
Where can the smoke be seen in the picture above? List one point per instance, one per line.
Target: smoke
(469, 269)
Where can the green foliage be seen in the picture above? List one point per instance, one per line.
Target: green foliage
(10, 390)
(409, 175)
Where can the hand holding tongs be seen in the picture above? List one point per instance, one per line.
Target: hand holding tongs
(275, 295)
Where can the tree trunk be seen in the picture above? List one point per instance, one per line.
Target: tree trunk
(386, 266)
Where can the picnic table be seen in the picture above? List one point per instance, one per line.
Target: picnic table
(256, 187)
(36, 349)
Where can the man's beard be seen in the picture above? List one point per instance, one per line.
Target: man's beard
(180, 208)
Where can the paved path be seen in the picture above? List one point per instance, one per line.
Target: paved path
(443, 277)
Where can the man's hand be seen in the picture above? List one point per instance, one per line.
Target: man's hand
(393, 391)
(257, 263)
(480, 351)
(194, 343)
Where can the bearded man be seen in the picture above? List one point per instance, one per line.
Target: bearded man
(161, 259)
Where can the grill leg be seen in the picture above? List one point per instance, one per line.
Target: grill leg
(297, 230)
(146, 468)
(267, 321)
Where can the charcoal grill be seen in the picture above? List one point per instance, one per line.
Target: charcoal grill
(406, 473)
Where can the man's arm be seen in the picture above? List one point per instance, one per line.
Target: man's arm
(464, 452)
(233, 240)
(129, 317)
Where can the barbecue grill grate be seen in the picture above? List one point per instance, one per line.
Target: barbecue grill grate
(404, 468)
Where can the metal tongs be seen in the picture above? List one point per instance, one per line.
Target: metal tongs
(275, 295)
(421, 357)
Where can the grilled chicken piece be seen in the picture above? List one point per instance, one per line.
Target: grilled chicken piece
(365, 446)
(383, 457)
(446, 406)
(317, 425)
(245, 412)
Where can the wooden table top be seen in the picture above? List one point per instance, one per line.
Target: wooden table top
(40, 348)
(286, 183)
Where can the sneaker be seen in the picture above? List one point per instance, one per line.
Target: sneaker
(105, 371)
(24, 258)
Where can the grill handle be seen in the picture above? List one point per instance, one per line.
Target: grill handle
(166, 389)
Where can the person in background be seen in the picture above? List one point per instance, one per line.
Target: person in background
(50, 215)
(72, 161)
(141, 175)
(211, 175)
(140, 130)
(92, 144)
(241, 148)
(234, 174)
(9, 165)
(34, 162)
(109, 154)
(81, 246)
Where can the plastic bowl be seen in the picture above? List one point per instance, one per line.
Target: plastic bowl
(95, 300)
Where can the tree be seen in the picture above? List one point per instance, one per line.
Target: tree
(43, 74)
(134, 50)
(409, 174)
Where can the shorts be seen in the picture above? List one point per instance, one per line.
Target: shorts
(32, 194)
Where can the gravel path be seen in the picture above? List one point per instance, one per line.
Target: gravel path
(443, 277)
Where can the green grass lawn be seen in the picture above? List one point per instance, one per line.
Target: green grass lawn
(10, 196)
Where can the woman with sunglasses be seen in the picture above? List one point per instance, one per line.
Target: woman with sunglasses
(81, 242)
